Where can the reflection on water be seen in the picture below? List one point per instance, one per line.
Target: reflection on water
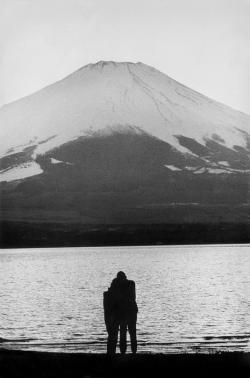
(191, 299)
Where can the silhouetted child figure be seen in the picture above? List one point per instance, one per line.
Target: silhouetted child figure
(120, 312)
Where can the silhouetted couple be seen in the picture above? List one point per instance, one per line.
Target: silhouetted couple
(120, 313)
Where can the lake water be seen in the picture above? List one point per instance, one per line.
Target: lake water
(190, 299)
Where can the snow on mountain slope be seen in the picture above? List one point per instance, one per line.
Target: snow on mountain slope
(21, 171)
(108, 96)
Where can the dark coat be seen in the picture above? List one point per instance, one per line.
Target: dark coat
(120, 301)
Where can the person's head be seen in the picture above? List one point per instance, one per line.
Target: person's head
(121, 276)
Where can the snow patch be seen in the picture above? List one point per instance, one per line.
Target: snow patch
(190, 168)
(20, 172)
(212, 169)
(218, 171)
(55, 161)
(240, 170)
(200, 170)
(225, 163)
(172, 167)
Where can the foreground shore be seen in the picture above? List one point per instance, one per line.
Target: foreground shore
(43, 364)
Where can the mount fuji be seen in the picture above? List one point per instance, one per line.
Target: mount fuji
(115, 145)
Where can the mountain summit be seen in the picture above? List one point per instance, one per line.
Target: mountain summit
(120, 143)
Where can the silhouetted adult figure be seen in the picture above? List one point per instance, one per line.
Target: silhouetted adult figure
(120, 312)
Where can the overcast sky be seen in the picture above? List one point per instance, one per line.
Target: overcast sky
(204, 44)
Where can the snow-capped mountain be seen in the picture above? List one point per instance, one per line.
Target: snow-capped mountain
(108, 96)
(114, 140)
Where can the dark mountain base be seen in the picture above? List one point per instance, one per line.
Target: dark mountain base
(120, 189)
(36, 364)
(24, 234)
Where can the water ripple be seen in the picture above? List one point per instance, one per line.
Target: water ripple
(190, 299)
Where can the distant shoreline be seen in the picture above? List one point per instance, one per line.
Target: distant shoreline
(43, 364)
(34, 234)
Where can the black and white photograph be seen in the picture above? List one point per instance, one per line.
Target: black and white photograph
(124, 188)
